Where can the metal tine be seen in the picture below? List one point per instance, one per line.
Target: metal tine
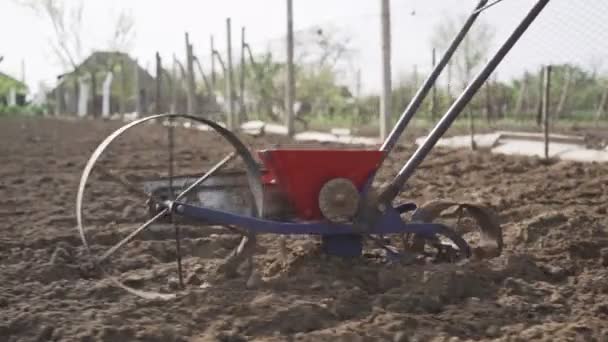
(178, 247)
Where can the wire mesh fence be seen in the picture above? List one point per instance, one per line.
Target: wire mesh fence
(338, 65)
(338, 61)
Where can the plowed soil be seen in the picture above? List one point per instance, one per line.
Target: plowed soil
(550, 283)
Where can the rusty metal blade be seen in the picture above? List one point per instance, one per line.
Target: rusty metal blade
(490, 231)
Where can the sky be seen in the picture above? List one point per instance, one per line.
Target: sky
(567, 31)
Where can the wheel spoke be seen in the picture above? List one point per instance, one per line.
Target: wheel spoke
(132, 235)
(170, 138)
(204, 177)
(178, 248)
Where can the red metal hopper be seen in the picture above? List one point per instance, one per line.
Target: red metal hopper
(300, 173)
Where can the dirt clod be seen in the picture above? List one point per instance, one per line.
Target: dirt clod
(548, 284)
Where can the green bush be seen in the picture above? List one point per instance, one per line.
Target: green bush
(21, 110)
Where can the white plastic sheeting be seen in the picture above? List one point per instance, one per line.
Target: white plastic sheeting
(565, 147)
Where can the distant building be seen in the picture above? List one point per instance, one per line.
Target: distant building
(12, 91)
(92, 73)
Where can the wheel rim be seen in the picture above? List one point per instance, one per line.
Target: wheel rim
(252, 172)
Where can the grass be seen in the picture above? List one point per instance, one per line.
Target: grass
(28, 110)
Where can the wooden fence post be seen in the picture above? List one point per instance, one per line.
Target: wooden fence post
(242, 109)
(468, 71)
(190, 83)
(158, 95)
(123, 86)
(175, 86)
(385, 97)
(94, 105)
(290, 90)
(545, 106)
(76, 94)
(539, 103)
(212, 62)
(228, 78)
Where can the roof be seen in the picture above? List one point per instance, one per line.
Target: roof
(105, 59)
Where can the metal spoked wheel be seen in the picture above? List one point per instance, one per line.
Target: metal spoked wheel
(121, 218)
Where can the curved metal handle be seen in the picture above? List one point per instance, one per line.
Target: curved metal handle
(421, 94)
(393, 189)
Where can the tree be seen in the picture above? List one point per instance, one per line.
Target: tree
(473, 50)
(123, 32)
(263, 87)
(67, 18)
(323, 47)
(324, 55)
(470, 55)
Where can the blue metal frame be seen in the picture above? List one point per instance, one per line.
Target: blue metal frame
(339, 239)
(389, 223)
